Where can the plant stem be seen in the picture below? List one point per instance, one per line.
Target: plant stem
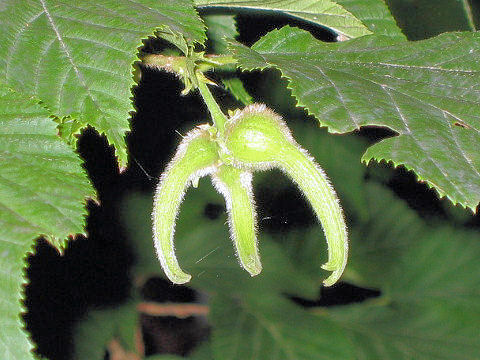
(220, 60)
(172, 63)
(218, 117)
(180, 311)
(180, 66)
(468, 10)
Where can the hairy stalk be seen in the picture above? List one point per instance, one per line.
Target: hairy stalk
(218, 117)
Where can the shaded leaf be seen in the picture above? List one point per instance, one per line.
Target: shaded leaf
(377, 244)
(428, 277)
(376, 15)
(429, 308)
(440, 268)
(221, 28)
(93, 333)
(78, 59)
(423, 18)
(236, 88)
(426, 91)
(322, 12)
(43, 188)
(269, 327)
(401, 332)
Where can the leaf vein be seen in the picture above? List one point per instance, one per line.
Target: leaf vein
(11, 50)
(66, 50)
(402, 117)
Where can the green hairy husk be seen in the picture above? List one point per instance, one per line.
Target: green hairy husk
(258, 139)
(253, 139)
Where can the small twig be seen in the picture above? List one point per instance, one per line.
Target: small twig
(179, 310)
(139, 344)
(117, 352)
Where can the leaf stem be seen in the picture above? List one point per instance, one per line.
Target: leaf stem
(218, 117)
(180, 311)
(220, 60)
(173, 63)
(468, 10)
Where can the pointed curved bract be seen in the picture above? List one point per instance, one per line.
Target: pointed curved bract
(196, 157)
(258, 139)
(314, 184)
(236, 187)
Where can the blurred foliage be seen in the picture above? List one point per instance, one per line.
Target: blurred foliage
(422, 19)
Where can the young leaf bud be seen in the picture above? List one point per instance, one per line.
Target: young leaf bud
(258, 139)
(236, 186)
(196, 157)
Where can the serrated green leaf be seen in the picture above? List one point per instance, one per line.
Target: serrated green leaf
(69, 129)
(322, 12)
(426, 91)
(93, 333)
(270, 327)
(424, 18)
(43, 188)
(15, 342)
(43, 182)
(77, 59)
(376, 15)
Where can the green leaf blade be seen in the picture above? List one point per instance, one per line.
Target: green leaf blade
(43, 189)
(220, 28)
(15, 343)
(96, 330)
(376, 15)
(270, 327)
(424, 19)
(326, 13)
(426, 91)
(78, 59)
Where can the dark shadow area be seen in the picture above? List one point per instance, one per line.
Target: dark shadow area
(171, 334)
(253, 24)
(282, 210)
(341, 293)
